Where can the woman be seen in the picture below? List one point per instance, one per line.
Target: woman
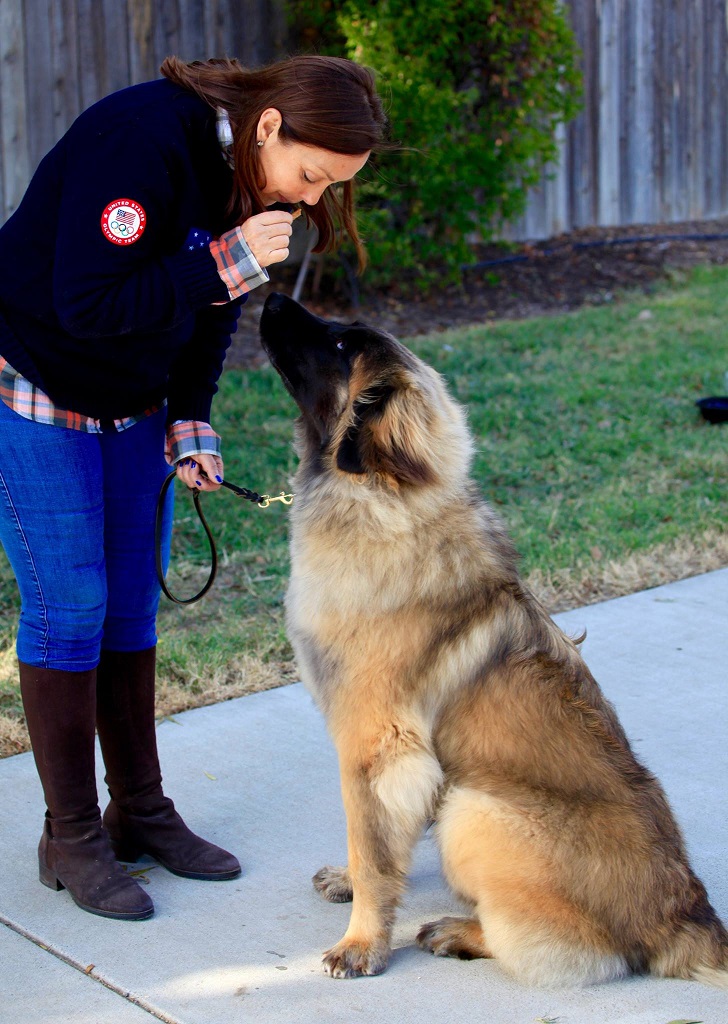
(124, 269)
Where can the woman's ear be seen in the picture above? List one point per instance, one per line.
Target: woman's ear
(268, 124)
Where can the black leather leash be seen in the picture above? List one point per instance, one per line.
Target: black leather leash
(261, 500)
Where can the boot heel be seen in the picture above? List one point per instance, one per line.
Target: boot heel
(50, 878)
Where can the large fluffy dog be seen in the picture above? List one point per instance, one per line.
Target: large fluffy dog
(451, 694)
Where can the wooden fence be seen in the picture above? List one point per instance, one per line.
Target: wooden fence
(650, 145)
(651, 142)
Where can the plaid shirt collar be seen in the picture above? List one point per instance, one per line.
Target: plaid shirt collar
(225, 136)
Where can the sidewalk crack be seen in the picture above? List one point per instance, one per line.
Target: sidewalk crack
(89, 970)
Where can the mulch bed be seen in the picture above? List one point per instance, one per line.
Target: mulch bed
(586, 267)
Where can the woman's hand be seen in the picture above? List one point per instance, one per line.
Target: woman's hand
(268, 235)
(201, 472)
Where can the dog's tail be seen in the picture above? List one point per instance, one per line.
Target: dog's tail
(717, 976)
(699, 952)
(710, 964)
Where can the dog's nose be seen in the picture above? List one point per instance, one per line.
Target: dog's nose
(275, 302)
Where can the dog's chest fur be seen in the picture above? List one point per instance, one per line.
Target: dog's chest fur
(406, 614)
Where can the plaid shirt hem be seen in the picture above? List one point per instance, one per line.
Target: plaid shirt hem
(238, 269)
(190, 437)
(28, 401)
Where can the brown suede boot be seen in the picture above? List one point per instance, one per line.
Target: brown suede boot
(140, 818)
(74, 851)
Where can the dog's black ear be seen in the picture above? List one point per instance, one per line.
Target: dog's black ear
(391, 435)
(350, 456)
(403, 438)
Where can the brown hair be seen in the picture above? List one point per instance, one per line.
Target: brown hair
(327, 102)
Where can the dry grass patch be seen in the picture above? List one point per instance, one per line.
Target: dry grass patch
(13, 736)
(238, 678)
(665, 563)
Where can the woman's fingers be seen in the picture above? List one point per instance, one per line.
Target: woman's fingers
(201, 472)
(277, 253)
(267, 236)
(212, 466)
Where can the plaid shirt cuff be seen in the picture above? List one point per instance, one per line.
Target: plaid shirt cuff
(190, 437)
(238, 269)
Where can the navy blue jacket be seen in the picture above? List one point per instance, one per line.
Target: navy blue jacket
(108, 329)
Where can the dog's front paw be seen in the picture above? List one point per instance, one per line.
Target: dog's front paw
(334, 885)
(350, 959)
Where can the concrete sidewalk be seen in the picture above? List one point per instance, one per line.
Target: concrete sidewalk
(258, 775)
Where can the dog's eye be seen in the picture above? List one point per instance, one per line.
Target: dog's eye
(341, 344)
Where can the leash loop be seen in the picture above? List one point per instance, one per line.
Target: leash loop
(261, 500)
(158, 546)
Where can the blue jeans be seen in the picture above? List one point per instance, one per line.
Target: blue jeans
(77, 524)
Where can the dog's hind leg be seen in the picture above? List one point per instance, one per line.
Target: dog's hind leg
(461, 937)
(389, 784)
(496, 859)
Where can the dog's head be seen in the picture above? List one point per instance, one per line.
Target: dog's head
(370, 409)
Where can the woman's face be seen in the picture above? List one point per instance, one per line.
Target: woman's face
(294, 173)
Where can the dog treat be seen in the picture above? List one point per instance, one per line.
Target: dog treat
(296, 213)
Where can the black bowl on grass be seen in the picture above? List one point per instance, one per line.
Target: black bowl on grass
(715, 409)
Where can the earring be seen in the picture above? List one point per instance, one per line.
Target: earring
(260, 142)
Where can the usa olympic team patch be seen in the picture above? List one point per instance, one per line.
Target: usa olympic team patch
(123, 221)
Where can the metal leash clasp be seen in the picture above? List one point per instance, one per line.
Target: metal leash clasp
(267, 499)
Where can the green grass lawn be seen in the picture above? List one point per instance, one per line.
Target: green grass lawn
(588, 443)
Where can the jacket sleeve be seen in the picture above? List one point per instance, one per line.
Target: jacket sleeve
(102, 288)
(195, 373)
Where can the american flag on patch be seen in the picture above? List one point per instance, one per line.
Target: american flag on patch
(125, 215)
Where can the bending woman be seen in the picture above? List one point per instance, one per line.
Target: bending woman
(124, 269)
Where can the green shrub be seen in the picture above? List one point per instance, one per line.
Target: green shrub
(474, 91)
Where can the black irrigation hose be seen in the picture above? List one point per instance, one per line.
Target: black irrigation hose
(634, 240)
